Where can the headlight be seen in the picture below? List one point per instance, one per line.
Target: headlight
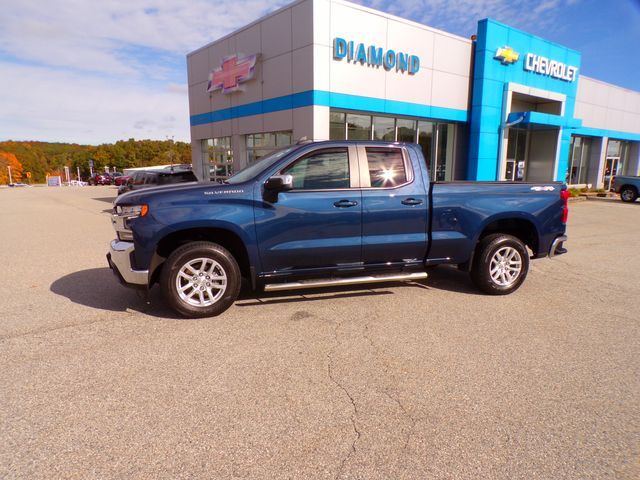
(132, 210)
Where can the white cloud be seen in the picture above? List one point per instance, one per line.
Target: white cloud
(98, 71)
(94, 35)
(461, 16)
(61, 106)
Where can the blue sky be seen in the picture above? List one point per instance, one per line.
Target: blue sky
(93, 72)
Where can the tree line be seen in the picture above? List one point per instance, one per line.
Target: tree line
(42, 158)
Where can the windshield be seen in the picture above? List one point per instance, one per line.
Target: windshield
(260, 166)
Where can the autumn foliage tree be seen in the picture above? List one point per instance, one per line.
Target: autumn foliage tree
(41, 158)
(9, 160)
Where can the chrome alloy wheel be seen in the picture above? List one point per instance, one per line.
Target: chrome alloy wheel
(201, 282)
(505, 267)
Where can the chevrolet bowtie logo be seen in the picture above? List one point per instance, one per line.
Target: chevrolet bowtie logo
(232, 73)
(507, 55)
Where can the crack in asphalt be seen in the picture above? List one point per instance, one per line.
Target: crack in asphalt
(405, 412)
(41, 331)
(353, 449)
(395, 399)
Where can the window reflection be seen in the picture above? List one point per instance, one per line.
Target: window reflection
(327, 169)
(386, 167)
(262, 144)
(217, 157)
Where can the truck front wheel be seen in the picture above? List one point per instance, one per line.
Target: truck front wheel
(200, 279)
(500, 264)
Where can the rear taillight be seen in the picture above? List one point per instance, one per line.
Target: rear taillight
(564, 196)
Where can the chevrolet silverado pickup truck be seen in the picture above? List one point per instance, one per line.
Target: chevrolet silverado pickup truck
(627, 187)
(329, 213)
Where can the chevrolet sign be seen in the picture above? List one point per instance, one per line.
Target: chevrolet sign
(507, 55)
(544, 66)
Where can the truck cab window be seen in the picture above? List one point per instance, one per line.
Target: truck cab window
(386, 167)
(323, 170)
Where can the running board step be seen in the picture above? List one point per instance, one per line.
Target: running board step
(402, 277)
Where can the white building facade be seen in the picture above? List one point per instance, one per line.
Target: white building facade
(504, 105)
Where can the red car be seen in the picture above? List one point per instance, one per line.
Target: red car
(121, 180)
(101, 179)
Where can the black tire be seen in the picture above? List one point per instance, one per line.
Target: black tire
(206, 304)
(505, 279)
(628, 193)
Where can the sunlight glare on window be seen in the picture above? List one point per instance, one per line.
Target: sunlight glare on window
(388, 175)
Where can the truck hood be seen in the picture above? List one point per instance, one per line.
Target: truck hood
(155, 194)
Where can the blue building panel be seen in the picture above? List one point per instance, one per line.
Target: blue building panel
(505, 56)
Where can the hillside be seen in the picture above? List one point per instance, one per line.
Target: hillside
(42, 158)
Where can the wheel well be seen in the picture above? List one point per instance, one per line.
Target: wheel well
(222, 237)
(628, 185)
(517, 227)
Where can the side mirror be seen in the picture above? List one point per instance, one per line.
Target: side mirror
(279, 183)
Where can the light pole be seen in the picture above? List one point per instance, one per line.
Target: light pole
(10, 179)
(171, 150)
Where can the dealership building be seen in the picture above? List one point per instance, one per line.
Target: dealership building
(502, 105)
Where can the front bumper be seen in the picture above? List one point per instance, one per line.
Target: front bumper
(119, 259)
(557, 247)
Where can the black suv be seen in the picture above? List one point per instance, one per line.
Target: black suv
(155, 178)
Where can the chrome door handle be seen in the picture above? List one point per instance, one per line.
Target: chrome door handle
(411, 201)
(344, 204)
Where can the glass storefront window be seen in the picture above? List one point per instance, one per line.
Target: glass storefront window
(624, 158)
(425, 140)
(358, 127)
(613, 148)
(262, 144)
(444, 155)
(406, 130)
(217, 158)
(337, 126)
(578, 166)
(384, 129)
(436, 139)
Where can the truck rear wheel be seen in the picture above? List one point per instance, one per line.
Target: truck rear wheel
(200, 279)
(628, 194)
(500, 264)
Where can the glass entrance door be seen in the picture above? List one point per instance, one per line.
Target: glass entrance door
(516, 155)
(611, 165)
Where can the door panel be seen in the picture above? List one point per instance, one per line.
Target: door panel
(395, 207)
(318, 224)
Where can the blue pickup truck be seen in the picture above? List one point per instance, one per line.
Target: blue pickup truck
(628, 187)
(330, 213)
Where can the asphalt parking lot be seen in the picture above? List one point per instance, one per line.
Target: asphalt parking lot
(423, 380)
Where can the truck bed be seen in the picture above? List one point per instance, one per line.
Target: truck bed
(461, 210)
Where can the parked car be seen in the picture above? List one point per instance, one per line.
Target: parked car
(331, 213)
(101, 179)
(155, 178)
(121, 180)
(628, 187)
